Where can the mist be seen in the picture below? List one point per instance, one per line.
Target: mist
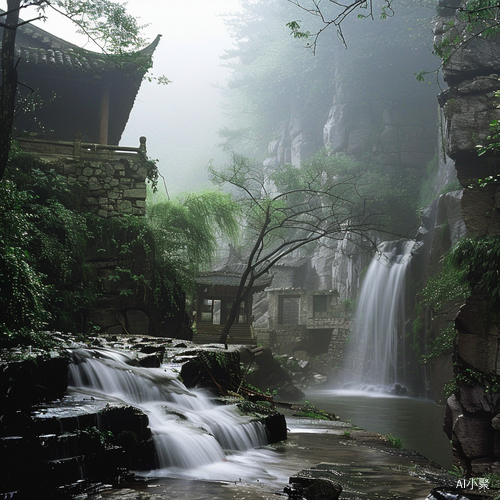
(181, 120)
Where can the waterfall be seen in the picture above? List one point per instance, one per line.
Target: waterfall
(188, 429)
(375, 351)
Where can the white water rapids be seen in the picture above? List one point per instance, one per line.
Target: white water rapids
(189, 430)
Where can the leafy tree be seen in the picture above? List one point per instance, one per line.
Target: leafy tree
(290, 209)
(103, 21)
(277, 89)
(270, 76)
(473, 20)
(480, 258)
(47, 249)
(186, 232)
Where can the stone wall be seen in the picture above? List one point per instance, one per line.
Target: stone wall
(113, 181)
(469, 106)
(113, 177)
(313, 334)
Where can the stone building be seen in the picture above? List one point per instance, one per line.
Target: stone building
(214, 297)
(80, 102)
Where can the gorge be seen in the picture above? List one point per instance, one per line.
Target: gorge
(375, 311)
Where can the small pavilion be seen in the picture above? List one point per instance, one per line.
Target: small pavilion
(214, 296)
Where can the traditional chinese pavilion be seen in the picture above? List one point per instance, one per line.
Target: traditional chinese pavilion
(214, 297)
(70, 90)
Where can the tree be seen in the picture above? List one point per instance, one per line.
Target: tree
(290, 209)
(104, 21)
(470, 20)
(186, 232)
(335, 16)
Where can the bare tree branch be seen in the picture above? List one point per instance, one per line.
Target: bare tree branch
(306, 205)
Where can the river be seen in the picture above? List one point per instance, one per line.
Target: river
(417, 422)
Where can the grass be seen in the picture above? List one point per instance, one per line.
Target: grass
(395, 442)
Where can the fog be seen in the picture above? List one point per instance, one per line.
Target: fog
(179, 120)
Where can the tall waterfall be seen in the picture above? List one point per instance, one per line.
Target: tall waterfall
(189, 430)
(375, 352)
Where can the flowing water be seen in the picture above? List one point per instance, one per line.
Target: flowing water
(375, 363)
(210, 451)
(189, 430)
(375, 352)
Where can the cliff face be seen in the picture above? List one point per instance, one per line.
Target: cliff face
(378, 111)
(469, 106)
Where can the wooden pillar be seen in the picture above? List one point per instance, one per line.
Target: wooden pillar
(77, 147)
(104, 115)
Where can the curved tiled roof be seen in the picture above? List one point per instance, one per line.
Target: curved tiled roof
(48, 62)
(37, 46)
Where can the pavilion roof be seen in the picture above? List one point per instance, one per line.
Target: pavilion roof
(49, 62)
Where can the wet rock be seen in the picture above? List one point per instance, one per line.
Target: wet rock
(137, 322)
(475, 436)
(271, 375)
(275, 428)
(445, 494)
(476, 399)
(399, 390)
(313, 488)
(495, 422)
(149, 360)
(23, 383)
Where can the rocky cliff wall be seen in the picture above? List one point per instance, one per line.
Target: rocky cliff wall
(469, 105)
(377, 110)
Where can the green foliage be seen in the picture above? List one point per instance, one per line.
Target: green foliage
(449, 388)
(24, 337)
(394, 441)
(104, 438)
(479, 257)
(23, 295)
(294, 206)
(257, 408)
(428, 191)
(274, 77)
(493, 480)
(491, 144)
(386, 194)
(442, 344)
(473, 377)
(152, 173)
(105, 21)
(457, 471)
(268, 67)
(47, 279)
(475, 19)
(296, 30)
(186, 231)
(308, 410)
(449, 286)
(42, 248)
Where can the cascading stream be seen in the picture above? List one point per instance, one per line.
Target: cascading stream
(375, 353)
(188, 429)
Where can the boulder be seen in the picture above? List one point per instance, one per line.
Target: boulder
(313, 488)
(475, 436)
(476, 399)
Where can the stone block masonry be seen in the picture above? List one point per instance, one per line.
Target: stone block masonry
(113, 177)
